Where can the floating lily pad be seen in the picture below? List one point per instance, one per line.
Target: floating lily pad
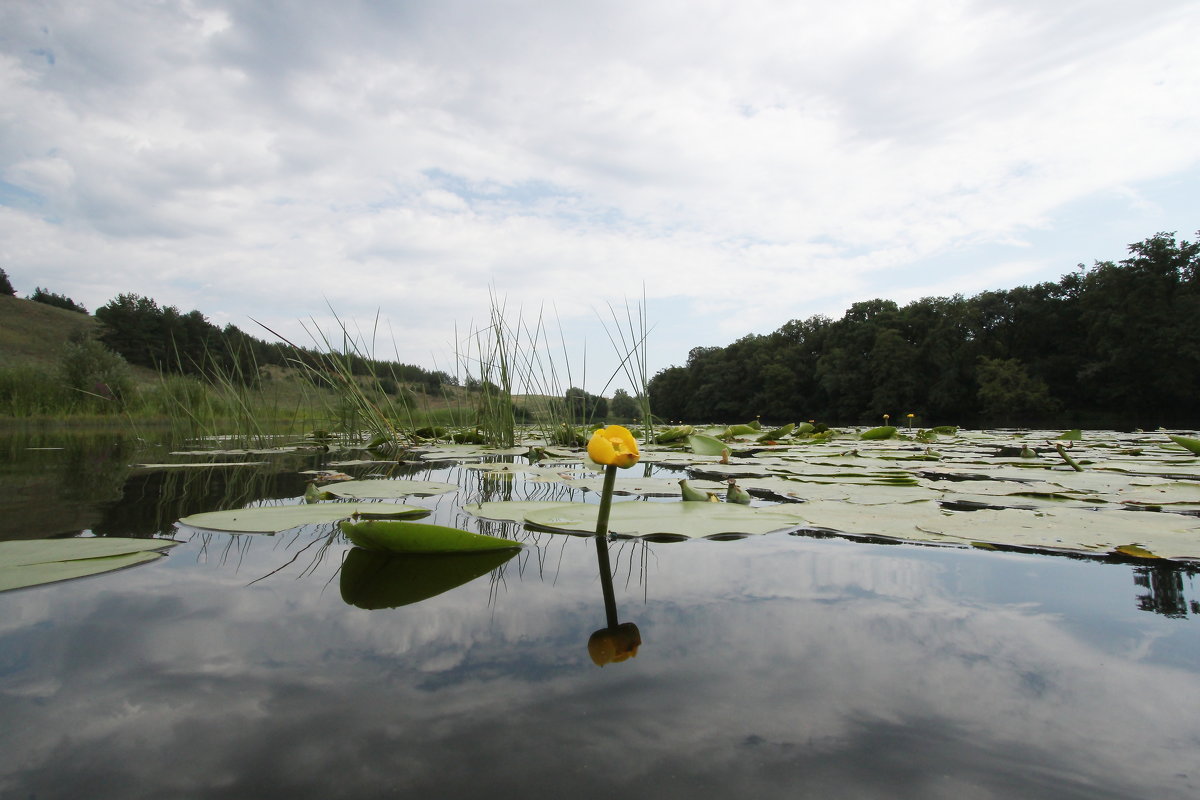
(389, 488)
(463, 452)
(647, 487)
(704, 445)
(201, 465)
(373, 580)
(509, 510)
(39, 561)
(723, 471)
(500, 467)
(668, 521)
(1070, 529)
(1186, 442)
(393, 536)
(273, 519)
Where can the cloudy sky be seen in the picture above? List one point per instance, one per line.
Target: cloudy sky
(739, 164)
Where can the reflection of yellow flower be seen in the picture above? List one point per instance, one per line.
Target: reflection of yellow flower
(613, 446)
(613, 645)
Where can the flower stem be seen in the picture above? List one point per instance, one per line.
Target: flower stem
(610, 480)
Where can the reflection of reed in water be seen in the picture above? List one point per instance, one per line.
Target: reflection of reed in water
(1166, 594)
(222, 547)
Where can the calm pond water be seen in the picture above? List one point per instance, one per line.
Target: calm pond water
(771, 666)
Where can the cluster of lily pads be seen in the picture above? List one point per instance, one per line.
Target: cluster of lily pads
(1096, 492)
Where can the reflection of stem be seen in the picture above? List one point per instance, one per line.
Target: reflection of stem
(606, 584)
(610, 602)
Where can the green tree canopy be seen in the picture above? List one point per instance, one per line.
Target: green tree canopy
(1114, 345)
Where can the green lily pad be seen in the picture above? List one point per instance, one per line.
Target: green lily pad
(273, 519)
(705, 445)
(777, 433)
(394, 536)
(40, 561)
(738, 430)
(201, 465)
(722, 472)
(674, 434)
(389, 488)
(509, 510)
(1186, 442)
(373, 580)
(668, 521)
(1065, 529)
(647, 487)
(452, 452)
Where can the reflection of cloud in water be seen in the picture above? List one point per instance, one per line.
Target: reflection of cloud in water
(783, 667)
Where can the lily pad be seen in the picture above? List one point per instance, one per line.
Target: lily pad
(647, 487)
(509, 510)
(373, 580)
(705, 445)
(452, 452)
(393, 536)
(1186, 442)
(273, 519)
(201, 465)
(40, 561)
(389, 488)
(668, 521)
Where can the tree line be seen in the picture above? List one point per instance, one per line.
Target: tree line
(163, 338)
(1115, 345)
(41, 295)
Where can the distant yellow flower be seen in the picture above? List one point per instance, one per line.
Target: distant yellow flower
(613, 446)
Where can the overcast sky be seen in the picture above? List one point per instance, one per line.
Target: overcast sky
(742, 163)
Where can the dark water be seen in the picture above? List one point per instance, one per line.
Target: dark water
(772, 666)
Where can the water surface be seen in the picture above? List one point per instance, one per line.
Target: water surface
(772, 666)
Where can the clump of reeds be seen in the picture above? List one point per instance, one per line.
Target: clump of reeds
(630, 344)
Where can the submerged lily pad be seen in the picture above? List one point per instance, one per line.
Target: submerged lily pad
(393, 536)
(668, 521)
(373, 580)
(35, 562)
(389, 488)
(273, 519)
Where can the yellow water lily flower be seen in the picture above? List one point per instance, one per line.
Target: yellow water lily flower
(613, 446)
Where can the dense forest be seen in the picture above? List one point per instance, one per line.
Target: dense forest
(1116, 345)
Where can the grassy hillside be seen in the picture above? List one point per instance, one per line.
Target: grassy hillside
(33, 334)
(33, 337)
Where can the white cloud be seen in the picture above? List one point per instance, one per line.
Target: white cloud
(754, 161)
